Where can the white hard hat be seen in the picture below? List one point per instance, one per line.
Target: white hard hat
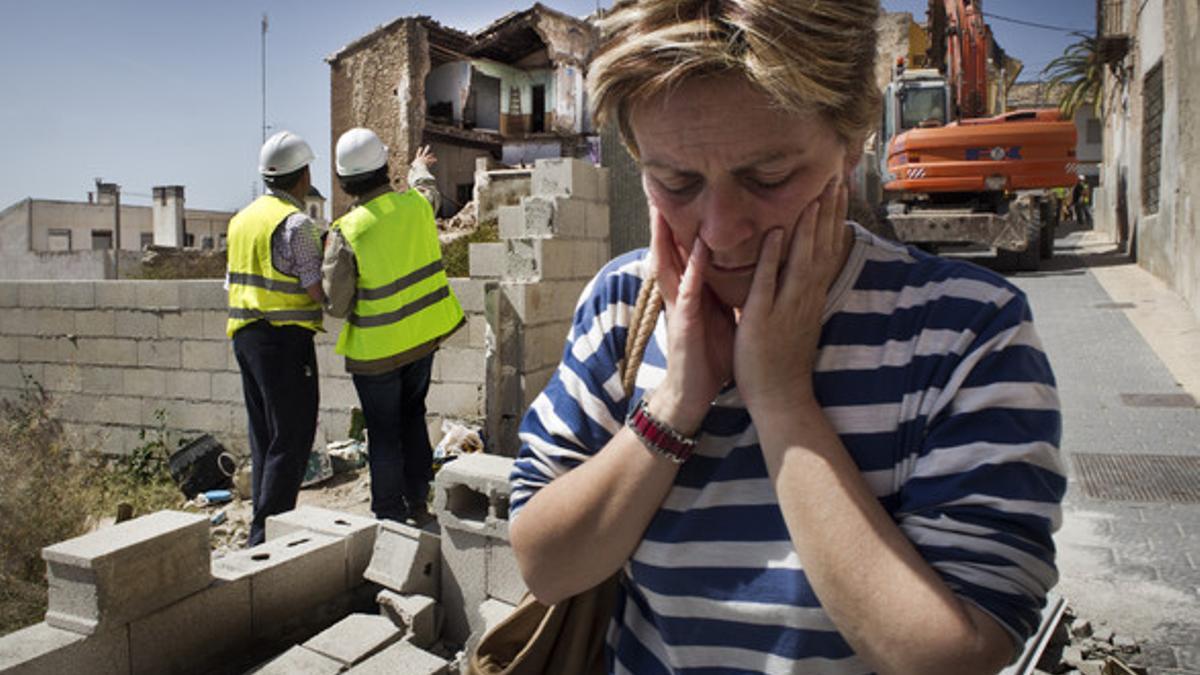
(284, 153)
(360, 151)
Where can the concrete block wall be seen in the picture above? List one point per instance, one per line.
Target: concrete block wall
(551, 244)
(115, 354)
(479, 572)
(270, 594)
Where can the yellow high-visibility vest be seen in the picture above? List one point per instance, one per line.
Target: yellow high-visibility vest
(257, 290)
(403, 302)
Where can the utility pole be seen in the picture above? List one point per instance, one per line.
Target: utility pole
(264, 77)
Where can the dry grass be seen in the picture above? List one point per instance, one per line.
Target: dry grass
(50, 492)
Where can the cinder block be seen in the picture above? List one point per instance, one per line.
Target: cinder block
(287, 575)
(570, 218)
(42, 649)
(463, 582)
(599, 225)
(486, 259)
(159, 354)
(471, 494)
(470, 293)
(567, 177)
(491, 613)
(37, 293)
(460, 365)
(355, 638)
(145, 382)
(121, 573)
(504, 580)
(10, 295)
(180, 325)
(75, 294)
(58, 378)
(45, 349)
(356, 532)
(156, 294)
(9, 348)
(553, 259)
(402, 657)
(116, 294)
(533, 383)
(47, 322)
(301, 661)
(338, 392)
(102, 381)
(212, 324)
(14, 376)
(416, 614)
(228, 387)
(203, 294)
(189, 415)
(405, 559)
(544, 345)
(456, 399)
(194, 634)
(194, 385)
(511, 222)
(101, 323)
(107, 352)
(206, 354)
(136, 324)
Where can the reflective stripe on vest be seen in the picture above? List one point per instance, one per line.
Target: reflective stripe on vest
(258, 291)
(403, 301)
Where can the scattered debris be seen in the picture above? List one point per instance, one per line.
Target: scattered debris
(1078, 648)
(457, 439)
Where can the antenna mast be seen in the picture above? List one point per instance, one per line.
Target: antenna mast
(264, 77)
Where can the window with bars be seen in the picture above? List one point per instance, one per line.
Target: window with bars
(1152, 112)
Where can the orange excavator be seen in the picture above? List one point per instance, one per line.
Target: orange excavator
(957, 170)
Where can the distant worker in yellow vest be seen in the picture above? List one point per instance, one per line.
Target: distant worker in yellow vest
(275, 298)
(383, 272)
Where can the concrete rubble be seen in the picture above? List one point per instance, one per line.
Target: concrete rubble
(144, 596)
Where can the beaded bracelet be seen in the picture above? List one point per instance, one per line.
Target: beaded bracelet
(658, 436)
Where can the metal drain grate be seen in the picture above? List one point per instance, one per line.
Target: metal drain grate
(1139, 478)
(1158, 400)
(1116, 305)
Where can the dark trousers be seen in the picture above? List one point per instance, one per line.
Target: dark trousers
(279, 381)
(398, 449)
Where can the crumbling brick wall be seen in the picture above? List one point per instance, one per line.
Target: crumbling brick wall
(379, 83)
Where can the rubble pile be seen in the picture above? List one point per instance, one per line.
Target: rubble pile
(1076, 647)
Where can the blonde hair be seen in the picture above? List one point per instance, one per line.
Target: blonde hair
(805, 55)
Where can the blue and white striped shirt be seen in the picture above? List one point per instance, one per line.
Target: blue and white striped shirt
(932, 375)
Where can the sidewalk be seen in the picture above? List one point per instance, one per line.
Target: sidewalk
(1126, 353)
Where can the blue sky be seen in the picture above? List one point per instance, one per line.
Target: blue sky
(165, 92)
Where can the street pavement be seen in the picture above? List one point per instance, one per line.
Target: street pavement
(1113, 332)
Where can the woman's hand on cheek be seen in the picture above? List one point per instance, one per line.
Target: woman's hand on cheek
(700, 334)
(780, 325)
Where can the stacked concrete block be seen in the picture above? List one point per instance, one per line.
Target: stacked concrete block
(356, 532)
(42, 649)
(402, 657)
(471, 501)
(355, 638)
(110, 577)
(417, 615)
(288, 576)
(405, 559)
(194, 634)
(300, 660)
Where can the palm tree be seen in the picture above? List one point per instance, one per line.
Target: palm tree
(1079, 71)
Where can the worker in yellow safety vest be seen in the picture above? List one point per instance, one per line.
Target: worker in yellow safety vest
(383, 272)
(275, 298)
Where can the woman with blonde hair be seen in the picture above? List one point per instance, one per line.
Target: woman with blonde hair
(840, 455)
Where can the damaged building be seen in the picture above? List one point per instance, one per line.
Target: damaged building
(512, 92)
